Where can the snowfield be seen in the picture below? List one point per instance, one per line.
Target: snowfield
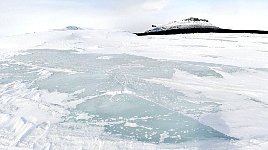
(98, 89)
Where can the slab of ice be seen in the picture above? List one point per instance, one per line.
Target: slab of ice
(113, 94)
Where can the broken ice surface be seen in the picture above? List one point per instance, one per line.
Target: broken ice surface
(115, 94)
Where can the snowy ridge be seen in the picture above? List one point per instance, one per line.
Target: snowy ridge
(189, 23)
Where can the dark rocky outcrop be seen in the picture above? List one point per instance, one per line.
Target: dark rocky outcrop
(192, 25)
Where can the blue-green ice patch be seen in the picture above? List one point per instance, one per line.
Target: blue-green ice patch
(116, 94)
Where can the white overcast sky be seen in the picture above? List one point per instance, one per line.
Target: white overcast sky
(22, 16)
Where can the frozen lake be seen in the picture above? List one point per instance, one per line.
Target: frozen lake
(115, 94)
(77, 98)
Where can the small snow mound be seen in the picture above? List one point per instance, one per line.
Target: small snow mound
(73, 28)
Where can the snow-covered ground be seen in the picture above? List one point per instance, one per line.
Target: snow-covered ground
(99, 89)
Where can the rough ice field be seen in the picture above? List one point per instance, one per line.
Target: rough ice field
(96, 89)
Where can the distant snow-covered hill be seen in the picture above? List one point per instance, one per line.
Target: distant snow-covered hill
(184, 24)
(192, 25)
